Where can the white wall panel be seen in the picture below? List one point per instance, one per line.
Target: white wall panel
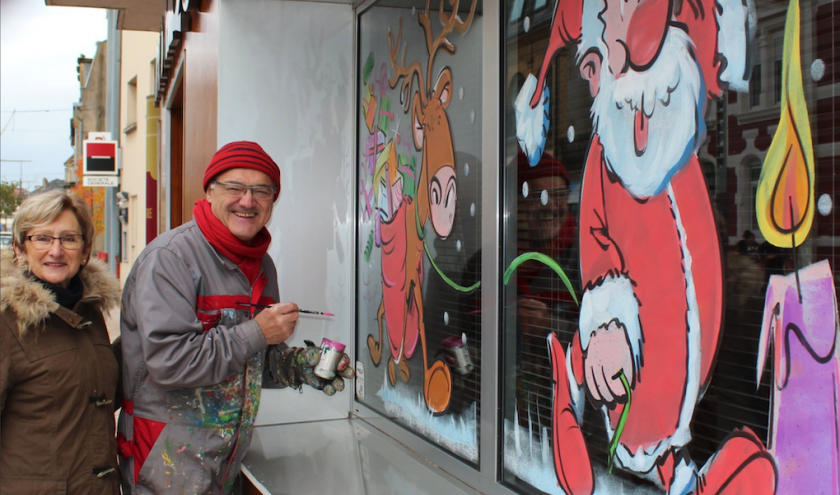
(285, 82)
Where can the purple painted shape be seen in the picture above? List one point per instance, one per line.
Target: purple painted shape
(407, 171)
(368, 198)
(382, 80)
(805, 425)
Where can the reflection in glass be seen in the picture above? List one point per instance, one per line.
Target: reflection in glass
(640, 161)
(419, 234)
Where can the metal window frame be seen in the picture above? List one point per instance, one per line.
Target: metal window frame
(486, 478)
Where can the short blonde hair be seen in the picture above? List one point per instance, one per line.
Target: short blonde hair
(41, 209)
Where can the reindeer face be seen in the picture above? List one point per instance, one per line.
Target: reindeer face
(433, 135)
(443, 194)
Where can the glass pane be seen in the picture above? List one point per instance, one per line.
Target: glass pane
(669, 236)
(419, 261)
(516, 10)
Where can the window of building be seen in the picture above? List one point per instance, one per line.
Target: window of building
(131, 105)
(516, 10)
(778, 48)
(755, 86)
(124, 245)
(634, 331)
(647, 319)
(152, 77)
(419, 263)
(754, 170)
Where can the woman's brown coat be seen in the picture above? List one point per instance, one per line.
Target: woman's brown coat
(58, 385)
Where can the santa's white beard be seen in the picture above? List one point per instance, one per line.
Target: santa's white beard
(671, 97)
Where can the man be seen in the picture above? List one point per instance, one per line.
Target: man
(651, 308)
(194, 344)
(747, 245)
(545, 225)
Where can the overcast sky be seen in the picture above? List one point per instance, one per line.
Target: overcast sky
(39, 48)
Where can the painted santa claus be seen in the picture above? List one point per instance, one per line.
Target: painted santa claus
(651, 309)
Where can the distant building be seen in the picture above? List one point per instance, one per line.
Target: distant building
(70, 178)
(88, 116)
(139, 123)
(89, 111)
(48, 186)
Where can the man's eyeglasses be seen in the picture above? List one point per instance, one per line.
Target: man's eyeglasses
(561, 194)
(42, 242)
(237, 190)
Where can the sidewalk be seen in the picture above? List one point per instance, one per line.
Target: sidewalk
(112, 321)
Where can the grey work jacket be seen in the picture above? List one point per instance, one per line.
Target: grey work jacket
(192, 365)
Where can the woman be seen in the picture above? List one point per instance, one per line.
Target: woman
(58, 376)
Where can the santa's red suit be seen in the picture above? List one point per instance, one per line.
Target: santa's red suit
(652, 266)
(639, 264)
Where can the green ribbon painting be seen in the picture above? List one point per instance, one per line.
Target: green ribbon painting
(539, 257)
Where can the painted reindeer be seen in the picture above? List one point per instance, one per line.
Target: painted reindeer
(403, 230)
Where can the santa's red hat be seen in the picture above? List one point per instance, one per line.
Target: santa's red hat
(644, 36)
(548, 166)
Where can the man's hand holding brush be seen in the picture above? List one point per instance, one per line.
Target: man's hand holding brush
(278, 322)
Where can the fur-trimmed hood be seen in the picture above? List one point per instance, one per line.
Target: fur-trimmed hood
(32, 302)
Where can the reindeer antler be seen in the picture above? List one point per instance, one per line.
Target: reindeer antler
(450, 23)
(433, 44)
(407, 73)
(454, 20)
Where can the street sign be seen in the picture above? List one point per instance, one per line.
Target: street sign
(101, 181)
(100, 157)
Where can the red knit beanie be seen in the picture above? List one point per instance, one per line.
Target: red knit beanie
(242, 154)
(547, 167)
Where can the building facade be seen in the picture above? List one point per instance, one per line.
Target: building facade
(139, 122)
(89, 116)
(581, 246)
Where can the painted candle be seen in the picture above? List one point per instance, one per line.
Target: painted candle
(805, 424)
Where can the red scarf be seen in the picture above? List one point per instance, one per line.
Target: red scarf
(554, 248)
(247, 256)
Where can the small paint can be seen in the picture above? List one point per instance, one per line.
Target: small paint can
(330, 355)
(458, 355)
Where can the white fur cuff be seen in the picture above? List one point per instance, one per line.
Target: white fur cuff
(737, 22)
(614, 299)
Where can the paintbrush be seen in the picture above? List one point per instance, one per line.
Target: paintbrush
(306, 311)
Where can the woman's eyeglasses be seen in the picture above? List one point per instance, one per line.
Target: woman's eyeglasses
(42, 242)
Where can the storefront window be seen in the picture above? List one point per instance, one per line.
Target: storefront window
(419, 260)
(669, 246)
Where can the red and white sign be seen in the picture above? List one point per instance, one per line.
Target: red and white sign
(101, 181)
(100, 157)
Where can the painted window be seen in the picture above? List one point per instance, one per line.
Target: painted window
(419, 262)
(670, 242)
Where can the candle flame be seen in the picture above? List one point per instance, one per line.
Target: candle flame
(784, 202)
